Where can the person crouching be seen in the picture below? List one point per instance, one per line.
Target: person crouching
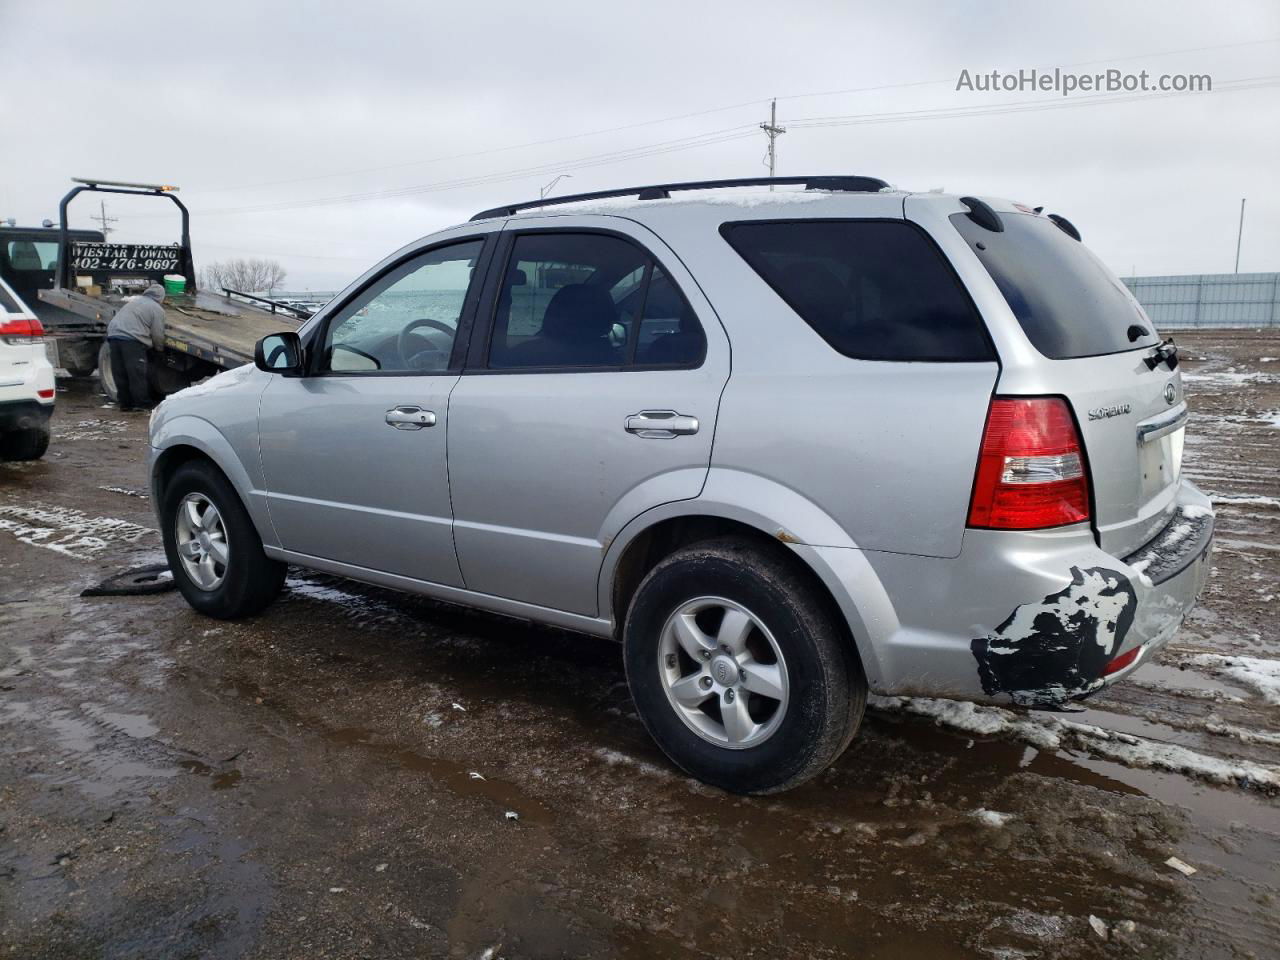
(137, 325)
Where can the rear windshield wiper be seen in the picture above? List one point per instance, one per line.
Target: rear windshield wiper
(1165, 352)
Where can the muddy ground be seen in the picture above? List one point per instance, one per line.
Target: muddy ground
(338, 777)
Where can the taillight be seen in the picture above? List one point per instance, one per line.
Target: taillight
(1120, 662)
(21, 330)
(1031, 467)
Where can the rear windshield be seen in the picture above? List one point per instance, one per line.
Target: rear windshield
(873, 289)
(1068, 303)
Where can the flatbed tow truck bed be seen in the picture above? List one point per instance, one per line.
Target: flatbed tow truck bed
(204, 332)
(217, 329)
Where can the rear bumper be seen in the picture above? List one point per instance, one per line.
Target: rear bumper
(24, 414)
(1031, 618)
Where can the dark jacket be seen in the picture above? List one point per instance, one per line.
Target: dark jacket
(141, 319)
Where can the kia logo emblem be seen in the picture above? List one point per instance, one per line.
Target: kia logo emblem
(1170, 392)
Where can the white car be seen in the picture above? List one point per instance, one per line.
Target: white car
(26, 381)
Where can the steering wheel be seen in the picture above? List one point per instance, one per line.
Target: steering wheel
(408, 355)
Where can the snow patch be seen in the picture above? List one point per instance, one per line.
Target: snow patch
(991, 818)
(1244, 499)
(972, 718)
(1049, 732)
(90, 430)
(1243, 734)
(736, 197)
(1228, 377)
(220, 381)
(615, 758)
(126, 491)
(72, 533)
(1262, 675)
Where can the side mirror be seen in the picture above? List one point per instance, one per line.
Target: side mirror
(279, 353)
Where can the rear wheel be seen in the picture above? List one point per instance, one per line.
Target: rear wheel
(30, 443)
(77, 356)
(106, 378)
(739, 670)
(213, 549)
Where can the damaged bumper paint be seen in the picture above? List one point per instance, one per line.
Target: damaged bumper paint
(1036, 618)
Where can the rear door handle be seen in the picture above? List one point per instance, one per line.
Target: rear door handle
(408, 417)
(661, 424)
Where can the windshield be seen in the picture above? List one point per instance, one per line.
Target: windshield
(1068, 303)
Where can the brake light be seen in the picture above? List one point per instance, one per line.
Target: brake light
(1120, 662)
(1030, 468)
(21, 329)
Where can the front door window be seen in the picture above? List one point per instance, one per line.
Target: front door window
(407, 321)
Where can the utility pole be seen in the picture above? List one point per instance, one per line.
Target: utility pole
(1239, 234)
(104, 219)
(773, 131)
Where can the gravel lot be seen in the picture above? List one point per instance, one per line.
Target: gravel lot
(362, 774)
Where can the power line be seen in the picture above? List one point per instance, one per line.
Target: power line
(1025, 106)
(725, 135)
(617, 156)
(1077, 63)
(697, 113)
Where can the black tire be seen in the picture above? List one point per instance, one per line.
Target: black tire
(29, 443)
(106, 378)
(251, 579)
(138, 582)
(827, 689)
(78, 357)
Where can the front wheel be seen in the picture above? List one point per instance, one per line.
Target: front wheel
(738, 668)
(213, 549)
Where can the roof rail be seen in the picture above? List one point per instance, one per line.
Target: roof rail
(661, 191)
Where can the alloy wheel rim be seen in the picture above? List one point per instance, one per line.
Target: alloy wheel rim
(201, 538)
(723, 672)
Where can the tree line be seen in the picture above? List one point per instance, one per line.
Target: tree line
(243, 274)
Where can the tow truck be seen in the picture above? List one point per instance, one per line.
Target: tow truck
(76, 281)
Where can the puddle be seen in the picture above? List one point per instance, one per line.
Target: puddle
(503, 795)
(218, 779)
(1186, 683)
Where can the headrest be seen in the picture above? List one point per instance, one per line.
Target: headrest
(579, 312)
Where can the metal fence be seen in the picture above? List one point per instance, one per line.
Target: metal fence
(1210, 299)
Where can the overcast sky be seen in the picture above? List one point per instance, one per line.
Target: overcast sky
(268, 115)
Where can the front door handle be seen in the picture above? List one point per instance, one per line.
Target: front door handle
(408, 417)
(661, 424)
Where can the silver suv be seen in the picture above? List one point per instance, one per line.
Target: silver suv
(789, 447)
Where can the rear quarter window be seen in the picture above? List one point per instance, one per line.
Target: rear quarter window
(1067, 302)
(872, 289)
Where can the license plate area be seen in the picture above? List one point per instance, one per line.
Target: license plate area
(1160, 461)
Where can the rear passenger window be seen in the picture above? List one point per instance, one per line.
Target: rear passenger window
(669, 332)
(590, 300)
(872, 289)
